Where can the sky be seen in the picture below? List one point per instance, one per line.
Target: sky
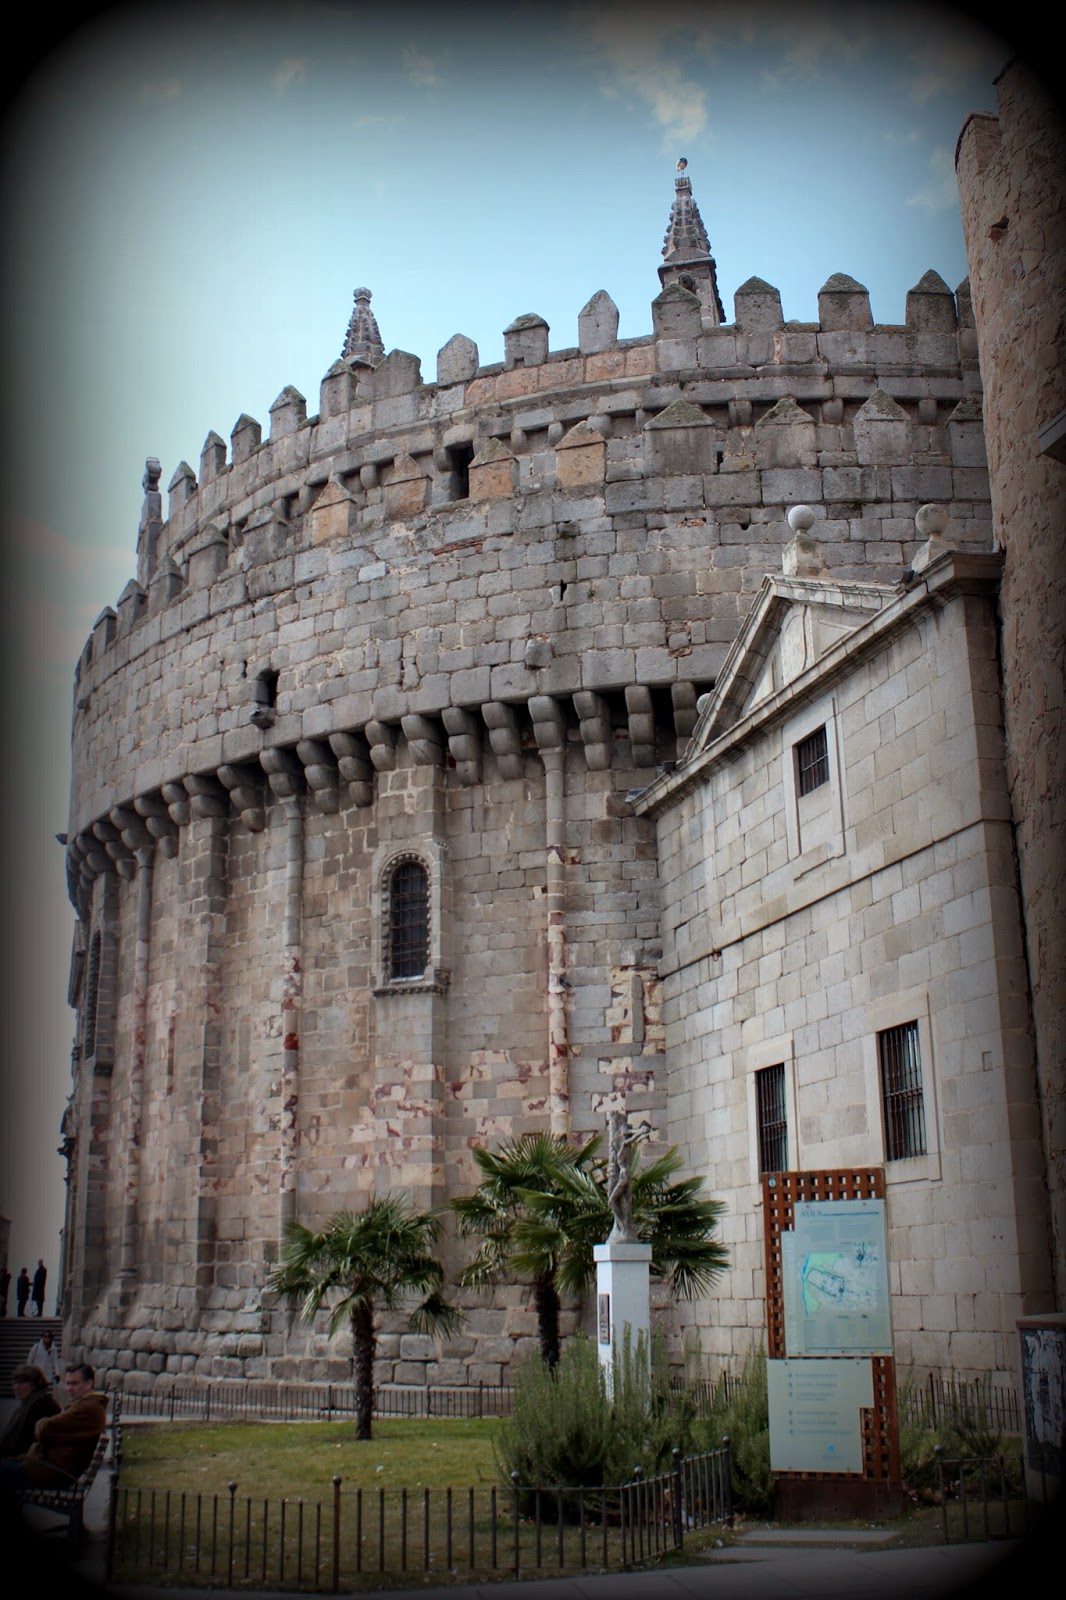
(192, 193)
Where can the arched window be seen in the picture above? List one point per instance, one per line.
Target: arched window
(408, 920)
(92, 996)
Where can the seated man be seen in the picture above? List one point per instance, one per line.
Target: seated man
(33, 1401)
(64, 1444)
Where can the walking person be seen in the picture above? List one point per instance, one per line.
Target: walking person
(5, 1285)
(46, 1356)
(22, 1291)
(39, 1280)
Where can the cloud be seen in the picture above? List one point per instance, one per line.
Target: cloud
(164, 89)
(911, 136)
(633, 43)
(941, 192)
(418, 67)
(290, 71)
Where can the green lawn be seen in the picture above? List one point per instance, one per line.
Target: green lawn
(300, 1459)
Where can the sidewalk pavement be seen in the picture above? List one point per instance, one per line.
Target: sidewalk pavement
(764, 1572)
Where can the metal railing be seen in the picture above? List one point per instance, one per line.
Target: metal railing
(252, 1541)
(977, 1402)
(260, 1400)
(978, 1486)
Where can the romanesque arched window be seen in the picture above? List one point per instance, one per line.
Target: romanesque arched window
(407, 925)
(92, 996)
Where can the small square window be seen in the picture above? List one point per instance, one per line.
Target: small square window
(901, 1092)
(773, 1118)
(812, 761)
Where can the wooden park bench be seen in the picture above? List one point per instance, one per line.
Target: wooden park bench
(69, 1500)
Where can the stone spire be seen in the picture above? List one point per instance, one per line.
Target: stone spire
(687, 258)
(363, 341)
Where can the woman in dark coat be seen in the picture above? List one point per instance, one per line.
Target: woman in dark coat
(35, 1401)
(22, 1291)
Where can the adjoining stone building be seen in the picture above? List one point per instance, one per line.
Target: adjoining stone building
(843, 968)
(365, 761)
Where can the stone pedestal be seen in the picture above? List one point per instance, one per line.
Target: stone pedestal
(623, 1271)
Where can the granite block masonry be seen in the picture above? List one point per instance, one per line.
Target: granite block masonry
(359, 879)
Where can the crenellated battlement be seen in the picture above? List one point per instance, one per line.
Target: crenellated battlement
(414, 516)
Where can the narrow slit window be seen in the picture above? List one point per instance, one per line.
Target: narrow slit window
(408, 920)
(901, 1092)
(459, 459)
(772, 1117)
(812, 761)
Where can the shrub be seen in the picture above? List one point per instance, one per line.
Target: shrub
(568, 1429)
(741, 1410)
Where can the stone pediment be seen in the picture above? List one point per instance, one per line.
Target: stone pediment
(792, 624)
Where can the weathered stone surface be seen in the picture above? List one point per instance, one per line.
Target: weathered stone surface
(454, 626)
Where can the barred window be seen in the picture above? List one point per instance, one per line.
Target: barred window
(773, 1118)
(901, 1092)
(92, 996)
(812, 761)
(408, 926)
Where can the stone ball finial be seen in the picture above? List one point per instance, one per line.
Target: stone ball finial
(800, 518)
(362, 294)
(931, 520)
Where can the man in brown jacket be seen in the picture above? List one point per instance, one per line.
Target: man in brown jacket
(64, 1444)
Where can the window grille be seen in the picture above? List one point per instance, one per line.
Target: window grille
(772, 1118)
(408, 920)
(901, 1092)
(812, 762)
(92, 996)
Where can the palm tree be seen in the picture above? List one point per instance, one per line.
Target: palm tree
(501, 1213)
(542, 1205)
(363, 1263)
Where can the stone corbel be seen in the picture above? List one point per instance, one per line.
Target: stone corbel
(595, 719)
(159, 823)
(504, 737)
(354, 765)
(464, 743)
(245, 785)
(284, 771)
(320, 773)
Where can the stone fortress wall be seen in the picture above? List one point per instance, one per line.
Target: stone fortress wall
(457, 622)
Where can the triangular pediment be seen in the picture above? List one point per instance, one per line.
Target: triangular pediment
(793, 623)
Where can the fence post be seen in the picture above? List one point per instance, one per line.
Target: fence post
(679, 1521)
(938, 1451)
(932, 1401)
(112, 1522)
(727, 1449)
(207, 1403)
(232, 1487)
(514, 1512)
(336, 1531)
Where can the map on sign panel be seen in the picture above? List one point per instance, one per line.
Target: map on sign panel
(835, 1279)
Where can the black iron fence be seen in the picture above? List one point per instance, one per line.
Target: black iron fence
(229, 1400)
(342, 1541)
(977, 1490)
(940, 1400)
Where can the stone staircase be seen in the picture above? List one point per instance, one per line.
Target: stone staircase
(17, 1335)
